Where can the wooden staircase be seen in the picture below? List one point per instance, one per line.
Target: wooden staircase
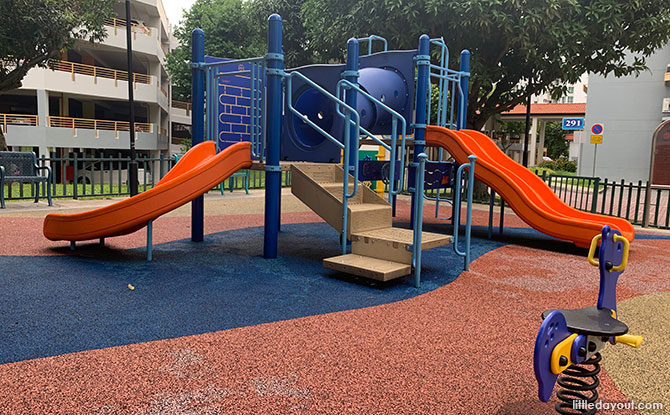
(379, 251)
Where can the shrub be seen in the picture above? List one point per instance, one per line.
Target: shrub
(561, 164)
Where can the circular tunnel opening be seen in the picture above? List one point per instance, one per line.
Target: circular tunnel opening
(319, 110)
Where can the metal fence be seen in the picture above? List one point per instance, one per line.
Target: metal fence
(640, 203)
(84, 177)
(93, 177)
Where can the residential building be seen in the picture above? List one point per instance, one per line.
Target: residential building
(79, 105)
(630, 108)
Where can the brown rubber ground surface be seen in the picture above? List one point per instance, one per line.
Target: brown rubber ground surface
(465, 348)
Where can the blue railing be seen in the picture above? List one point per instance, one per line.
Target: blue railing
(351, 118)
(457, 209)
(452, 102)
(370, 40)
(393, 180)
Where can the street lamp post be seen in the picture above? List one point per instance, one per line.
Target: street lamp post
(132, 166)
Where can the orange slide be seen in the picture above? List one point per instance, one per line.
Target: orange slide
(198, 171)
(523, 190)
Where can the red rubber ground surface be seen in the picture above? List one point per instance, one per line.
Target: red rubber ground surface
(465, 348)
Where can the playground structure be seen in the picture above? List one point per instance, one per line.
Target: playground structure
(571, 340)
(311, 117)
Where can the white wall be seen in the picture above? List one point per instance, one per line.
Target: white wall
(94, 87)
(44, 137)
(630, 110)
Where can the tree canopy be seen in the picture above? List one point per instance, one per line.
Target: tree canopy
(34, 31)
(518, 47)
(234, 29)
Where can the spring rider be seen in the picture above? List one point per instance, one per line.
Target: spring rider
(569, 341)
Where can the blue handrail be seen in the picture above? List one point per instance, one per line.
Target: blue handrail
(344, 84)
(457, 209)
(372, 38)
(348, 168)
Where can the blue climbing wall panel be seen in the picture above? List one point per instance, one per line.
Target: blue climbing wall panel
(234, 104)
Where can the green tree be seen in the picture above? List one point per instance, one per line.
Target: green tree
(229, 32)
(34, 31)
(554, 140)
(518, 47)
(236, 29)
(294, 40)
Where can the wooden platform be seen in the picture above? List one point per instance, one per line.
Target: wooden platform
(404, 236)
(378, 269)
(393, 243)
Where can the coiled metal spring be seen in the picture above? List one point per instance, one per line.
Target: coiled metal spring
(579, 386)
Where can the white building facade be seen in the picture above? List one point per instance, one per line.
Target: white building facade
(80, 103)
(630, 109)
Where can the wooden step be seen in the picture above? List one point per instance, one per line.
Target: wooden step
(394, 243)
(336, 189)
(369, 216)
(374, 268)
(320, 188)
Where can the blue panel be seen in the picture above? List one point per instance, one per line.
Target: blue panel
(234, 103)
(573, 123)
(387, 75)
(554, 329)
(437, 175)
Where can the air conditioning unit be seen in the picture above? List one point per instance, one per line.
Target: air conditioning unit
(667, 76)
(666, 105)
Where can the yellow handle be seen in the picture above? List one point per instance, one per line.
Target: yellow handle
(629, 340)
(592, 249)
(624, 257)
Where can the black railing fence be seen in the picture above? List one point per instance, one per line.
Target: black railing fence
(81, 177)
(638, 202)
(85, 177)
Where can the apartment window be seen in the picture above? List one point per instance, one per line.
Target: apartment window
(570, 99)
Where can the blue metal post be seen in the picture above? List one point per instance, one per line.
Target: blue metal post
(463, 103)
(198, 124)
(150, 231)
(418, 226)
(491, 204)
(468, 220)
(422, 84)
(275, 67)
(351, 75)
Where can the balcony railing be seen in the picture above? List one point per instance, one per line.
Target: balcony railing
(97, 71)
(17, 119)
(182, 105)
(121, 24)
(97, 125)
(164, 91)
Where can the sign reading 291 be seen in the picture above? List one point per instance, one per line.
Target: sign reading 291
(573, 123)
